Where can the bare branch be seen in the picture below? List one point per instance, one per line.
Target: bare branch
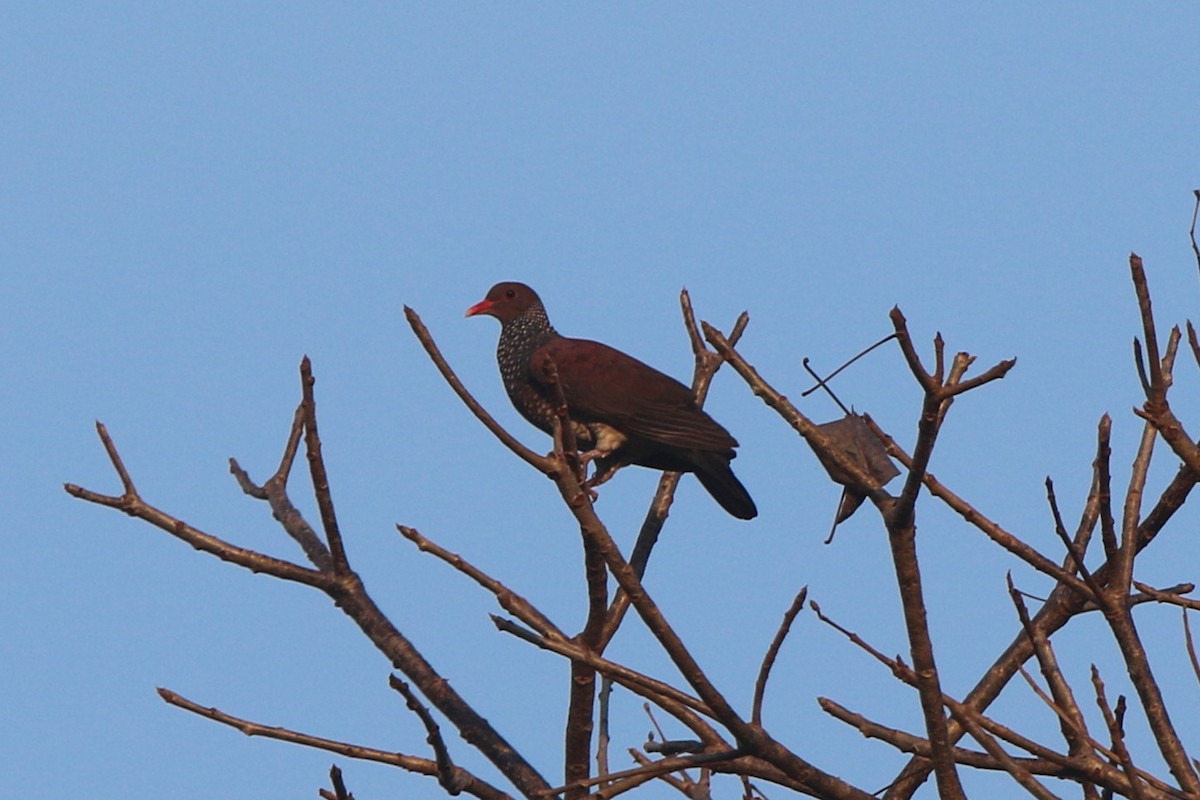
(448, 775)
(349, 594)
(1192, 230)
(1090, 768)
(316, 466)
(339, 786)
(682, 706)
(1157, 409)
(1118, 736)
(706, 365)
(1150, 695)
(1074, 727)
(760, 685)
(620, 780)
(751, 737)
(133, 505)
(581, 705)
(900, 520)
(542, 463)
(1123, 563)
(974, 517)
(423, 766)
(1190, 644)
(856, 475)
(274, 491)
(909, 743)
(509, 600)
(1103, 479)
(1172, 595)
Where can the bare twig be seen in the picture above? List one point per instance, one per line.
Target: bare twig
(653, 769)
(603, 737)
(1103, 478)
(542, 463)
(448, 776)
(858, 477)
(316, 466)
(680, 704)
(1074, 727)
(339, 786)
(346, 589)
(910, 743)
(1118, 736)
(274, 491)
(706, 365)
(1193, 342)
(760, 685)
(132, 504)
(973, 516)
(509, 600)
(1157, 409)
(1190, 644)
(424, 766)
(1172, 595)
(581, 705)
(1192, 230)
(1090, 769)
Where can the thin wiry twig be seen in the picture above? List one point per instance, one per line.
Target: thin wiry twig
(822, 383)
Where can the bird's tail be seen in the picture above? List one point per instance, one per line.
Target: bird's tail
(717, 477)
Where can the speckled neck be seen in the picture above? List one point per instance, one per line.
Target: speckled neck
(520, 337)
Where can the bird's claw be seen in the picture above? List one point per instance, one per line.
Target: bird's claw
(588, 456)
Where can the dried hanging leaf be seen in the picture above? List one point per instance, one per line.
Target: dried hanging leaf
(854, 439)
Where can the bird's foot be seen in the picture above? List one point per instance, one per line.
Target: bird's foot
(603, 472)
(579, 461)
(591, 455)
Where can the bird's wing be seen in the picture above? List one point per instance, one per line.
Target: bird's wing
(602, 384)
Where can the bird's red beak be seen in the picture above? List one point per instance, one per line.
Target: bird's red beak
(482, 307)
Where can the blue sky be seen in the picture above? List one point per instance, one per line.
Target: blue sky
(191, 198)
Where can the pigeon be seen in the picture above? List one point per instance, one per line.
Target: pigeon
(622, 411)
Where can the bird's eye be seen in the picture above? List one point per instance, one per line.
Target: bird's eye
(510, 294)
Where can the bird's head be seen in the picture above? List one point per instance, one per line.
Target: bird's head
(506, 301)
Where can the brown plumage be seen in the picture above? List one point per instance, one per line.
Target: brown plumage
(624, 412)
